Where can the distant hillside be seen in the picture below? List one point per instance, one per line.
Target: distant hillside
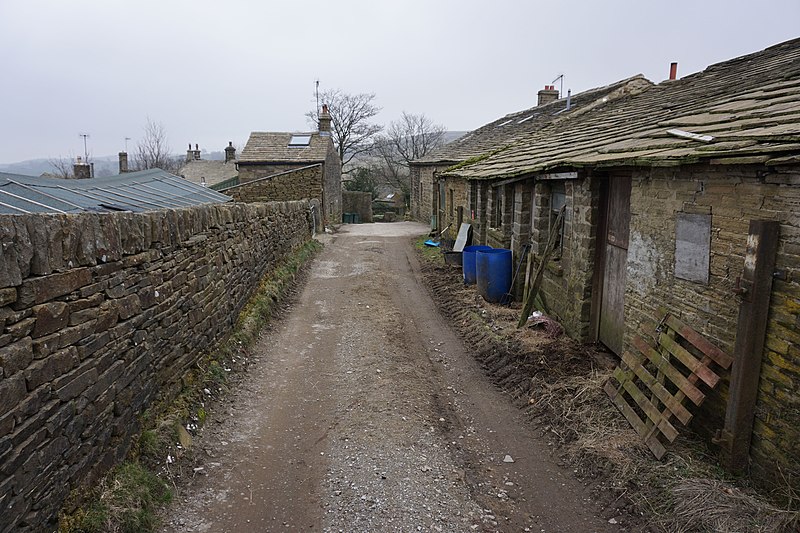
(450, 136)
(107, 165)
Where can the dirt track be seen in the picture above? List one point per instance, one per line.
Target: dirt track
(365, 412)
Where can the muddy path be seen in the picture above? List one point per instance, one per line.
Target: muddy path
(365, 411)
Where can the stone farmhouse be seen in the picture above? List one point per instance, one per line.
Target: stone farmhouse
(278, 166)
(672, 195)
(209, 173)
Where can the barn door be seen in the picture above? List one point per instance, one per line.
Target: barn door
(615, 260)
(440, 207)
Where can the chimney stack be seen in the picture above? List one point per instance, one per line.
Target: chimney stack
(197, 152)
(673, 71)
(81, 170)
(230, 152)
(189, 153)
(325, 121)
(547, 95)
(123, 162)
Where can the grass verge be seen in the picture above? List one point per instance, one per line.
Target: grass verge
(128, 497)
(432, 254)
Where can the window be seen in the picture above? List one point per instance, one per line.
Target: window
(558, 199)
(300, 140)
(497, 207)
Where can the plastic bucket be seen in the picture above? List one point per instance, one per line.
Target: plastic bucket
(493, 272)
(468, 262)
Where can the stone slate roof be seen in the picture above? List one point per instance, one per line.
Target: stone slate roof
(511, 127)
(145, 190)
(213, 171)
(749, 106)
(273, 147)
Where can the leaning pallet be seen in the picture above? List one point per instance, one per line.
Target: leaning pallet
(653, 383)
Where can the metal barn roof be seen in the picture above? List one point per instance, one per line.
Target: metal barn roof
(135, 191)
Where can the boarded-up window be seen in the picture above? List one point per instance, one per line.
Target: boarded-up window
(692, 247)
(473, 199)
(558, 199)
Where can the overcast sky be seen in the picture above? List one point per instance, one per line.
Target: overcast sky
(213, 71)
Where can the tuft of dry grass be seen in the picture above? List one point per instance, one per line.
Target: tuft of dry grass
(714, 505)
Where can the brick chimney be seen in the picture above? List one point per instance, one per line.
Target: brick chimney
(230, 152)
(123, 162)
(81, 170)
(325, 121)
(547, 95)
(673, 71)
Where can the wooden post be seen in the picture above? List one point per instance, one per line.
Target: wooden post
(755, 287)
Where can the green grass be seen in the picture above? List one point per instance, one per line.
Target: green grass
(125, 501)
(431, 254)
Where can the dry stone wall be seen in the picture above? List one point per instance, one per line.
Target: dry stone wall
(102, 313)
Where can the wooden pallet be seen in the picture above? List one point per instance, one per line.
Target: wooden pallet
(652, 384)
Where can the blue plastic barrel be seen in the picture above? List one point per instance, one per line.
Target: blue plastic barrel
(493, 272)
(468, 262)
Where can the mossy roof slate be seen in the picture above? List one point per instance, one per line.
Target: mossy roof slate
(749, 105)
(514, 126)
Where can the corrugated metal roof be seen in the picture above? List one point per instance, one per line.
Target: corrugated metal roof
(135, 191)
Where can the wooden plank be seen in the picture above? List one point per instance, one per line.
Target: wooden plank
(689, 360)
(701, 343)
(691, 392)
(650, 410)
(674, 406)
(759, 266)
(627, 411)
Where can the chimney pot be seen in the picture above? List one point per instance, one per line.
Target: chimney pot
(325, 121)
(81, 170)
(673, 71)
(230, 152)
(547, 95)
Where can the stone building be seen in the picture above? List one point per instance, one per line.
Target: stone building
(277, 166)
(207, 172)
(437, 201)
(660, 190)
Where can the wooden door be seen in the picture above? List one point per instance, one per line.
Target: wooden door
(440, 208)
(614, 240)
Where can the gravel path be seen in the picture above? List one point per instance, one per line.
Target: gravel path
(365, 413)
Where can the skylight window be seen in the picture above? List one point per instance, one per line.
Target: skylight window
(505, 123)
(300, 140)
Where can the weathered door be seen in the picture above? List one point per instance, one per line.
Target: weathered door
(615, 260)
(440, 208)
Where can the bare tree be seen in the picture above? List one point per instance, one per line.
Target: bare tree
(62, 167)
(351, 129)
(152, 150)
(413, 137)
(407, 139)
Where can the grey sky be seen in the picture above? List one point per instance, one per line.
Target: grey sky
(212, 71)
